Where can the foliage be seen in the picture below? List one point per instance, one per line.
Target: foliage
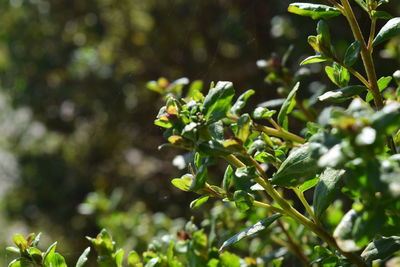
(351, 150)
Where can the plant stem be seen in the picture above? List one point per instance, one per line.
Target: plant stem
(366, 55)
(267, 206)
(280, 133)
(371, 35)
(308, 208)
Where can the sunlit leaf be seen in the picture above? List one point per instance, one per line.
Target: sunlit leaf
(254, 229)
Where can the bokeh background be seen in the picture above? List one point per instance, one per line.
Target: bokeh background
(78, 148)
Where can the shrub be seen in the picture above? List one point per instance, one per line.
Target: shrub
(347, 157)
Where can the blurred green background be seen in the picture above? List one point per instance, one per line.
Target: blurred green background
(78, 148)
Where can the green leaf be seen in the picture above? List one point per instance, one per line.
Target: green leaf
(343, 232)
(200, 179)
(381, 248)
(119, 257)
(241, 102)
(20, 242)
(254, 229)
(300, 166)
(381, 15)
(83, 258)
(388, 31)
(314, 11)
(133, 259)
(323, 31)
(35, 254)
(265, 157)
(246, 173)
(50, 252)
(243, 200)
(54, 259)
(218, 101)
(326, 190)
(183, 183)
(383, 83)
(339, 75)
(387, 119)
(13, 250)
(243, 127)
(263, 113)
(229, 259)
(20, 262)
(314, 59)
(352, 54)
(381, 2)
(308, 184)
(314, 43)
(288, 106)
(343, 94)
(228, 179)
(198, 202)
(195, 91)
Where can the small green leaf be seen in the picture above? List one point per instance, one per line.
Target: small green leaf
(195, 91)
(228, 179)
(13, 249)
(263, 113)
(288, 106)
(243, 127)
(308, 184)
(229, 259)
(388, 31)
(343, 94)
(314, 59)
(339, 75)
(314, 11)
(323, 31)
(265, 157)
(119, 257)
(183, 183)
(241, 102)
(200, 179)
(243, 200)
(50, 252)
(254, 229)
(314, 43)
(381, 15)
(133, 259)
(83, 258)
(218, 101)
(198, 202)
(383, 83)
(352, 54)
(343, 232)
(381, 248)
(326, 190)
(20, 242)
(300, 166)
(246, 173)
(20, 262)
(55, 260)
